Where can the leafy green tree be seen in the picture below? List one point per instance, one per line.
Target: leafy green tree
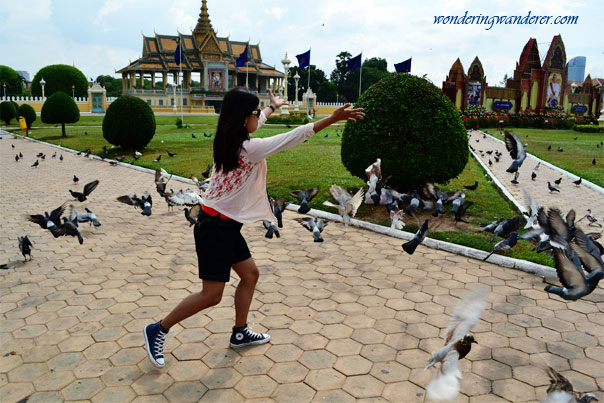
(60, 108)
(327, 92)
(415, 130)
(60, 77)
(317, 77)
(7, 111)
(13, 81)
(338, 75)
(129, 123)
(28, 113)
(113, 86)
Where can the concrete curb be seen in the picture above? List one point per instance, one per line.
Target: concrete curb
(529, 267)
(574, 177)
(532, 268)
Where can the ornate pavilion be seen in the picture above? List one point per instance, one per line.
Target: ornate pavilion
(535, 86)
(207, 59)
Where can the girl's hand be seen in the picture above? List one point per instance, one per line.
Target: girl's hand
(276, 101)
(342, 113)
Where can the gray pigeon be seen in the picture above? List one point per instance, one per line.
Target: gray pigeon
(505, 245)
(314, 225)
(304, 197)
(410, 246)
(25, 246)
(516, 150)
(271, 229)
(89, 217)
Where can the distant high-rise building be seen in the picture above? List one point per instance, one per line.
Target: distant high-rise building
(576, 69)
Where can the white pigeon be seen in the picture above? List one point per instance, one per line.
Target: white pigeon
(186, 198)
(347, 205)
(396, 216)
(458, 342)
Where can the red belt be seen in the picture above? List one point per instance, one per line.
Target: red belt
(213, 213)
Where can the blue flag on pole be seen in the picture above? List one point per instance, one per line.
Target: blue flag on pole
(178, 53)
(242, 59)
(303, 59)
(403, 67)
(355, 62)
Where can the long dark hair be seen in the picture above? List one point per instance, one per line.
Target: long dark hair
(231, 132)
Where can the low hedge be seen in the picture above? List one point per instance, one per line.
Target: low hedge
(296, 120)
(589, 129)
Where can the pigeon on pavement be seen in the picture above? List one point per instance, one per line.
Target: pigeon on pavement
(25, 246)
(314, 225)
(144, 203)
(552, 188)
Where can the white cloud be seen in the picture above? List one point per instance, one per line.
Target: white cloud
(276, 12)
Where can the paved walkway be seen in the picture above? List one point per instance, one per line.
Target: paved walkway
(570, 197)
(351, 318)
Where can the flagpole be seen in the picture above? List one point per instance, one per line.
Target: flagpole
(360, 75)
(181, 83)
(247, 56)
(309, 49)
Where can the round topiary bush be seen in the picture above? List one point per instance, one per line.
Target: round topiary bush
(60, 77)
(60, 108)
(129, 123)
(28, 113)
(7, 111)
(412, 127)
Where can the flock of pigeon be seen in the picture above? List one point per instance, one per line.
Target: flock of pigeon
(577, 254)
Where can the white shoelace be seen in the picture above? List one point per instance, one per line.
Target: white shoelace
(159, 343)
(252, 334)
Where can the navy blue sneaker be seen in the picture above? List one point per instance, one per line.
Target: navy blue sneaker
(155, 337)
(244, 336)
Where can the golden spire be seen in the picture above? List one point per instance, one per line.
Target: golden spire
(203, 22)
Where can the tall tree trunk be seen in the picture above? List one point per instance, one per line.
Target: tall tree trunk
(63, 129)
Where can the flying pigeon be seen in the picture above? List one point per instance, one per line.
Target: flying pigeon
(278, 206)
(206, 174)
(575, 283)
(347, 205)
(461, 211)
(410, 246)
(561, 390)
(304, 197)
(271, 229)
(89, 217)
(532, 208)
(161, 181)
(314, 225)
(396, 217)
(490, 227)
(48, 221)
(192, 214)
(144, 203)
(505, 245)
(458, 343)
(25, 246)
(88, 188)
(68, 227)
(184, 198)
(516, 150)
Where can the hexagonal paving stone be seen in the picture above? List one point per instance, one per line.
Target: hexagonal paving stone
(325, 379)
(513, 390)
(394, 391)
(492, 370)
(255, 386)
(82, 389)
(187, 370)
(191, 391)
(222, 395)
(390, 372)
(353, 365)
(363, 386)
(316, 359)
(288, 372)
(220, 378)
(282, 353)
(115, 394)
(27, 372)
(294, 392)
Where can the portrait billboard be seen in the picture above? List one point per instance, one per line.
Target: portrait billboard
(474, 90)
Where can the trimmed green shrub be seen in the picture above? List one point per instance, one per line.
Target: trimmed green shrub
(129, 123)
(412, 127)
(7, 111)
(60, 77)
(28, 113)
(14, 82)
(60, 108)
(588, 128)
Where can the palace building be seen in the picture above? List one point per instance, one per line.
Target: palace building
(535, 86)
(207, 72)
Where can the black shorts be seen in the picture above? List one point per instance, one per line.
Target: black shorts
(219, 245)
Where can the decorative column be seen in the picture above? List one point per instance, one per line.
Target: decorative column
(132, 80)
(164, 80)
(124, 82)
(152, 80)
(142, 80)
(296, 78)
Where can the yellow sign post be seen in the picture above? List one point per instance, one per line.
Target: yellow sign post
(23, 124)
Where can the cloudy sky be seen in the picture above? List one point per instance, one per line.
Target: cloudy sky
(101, 36)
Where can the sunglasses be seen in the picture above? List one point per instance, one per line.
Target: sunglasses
(257, 112)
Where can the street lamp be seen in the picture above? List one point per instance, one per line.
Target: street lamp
(4, 87)
(42, 84)
(337, 97)
(286, 62)
(72, 91)
(297, 77)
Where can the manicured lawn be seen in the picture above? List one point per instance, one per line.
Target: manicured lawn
(577, 155)
(316, 162)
